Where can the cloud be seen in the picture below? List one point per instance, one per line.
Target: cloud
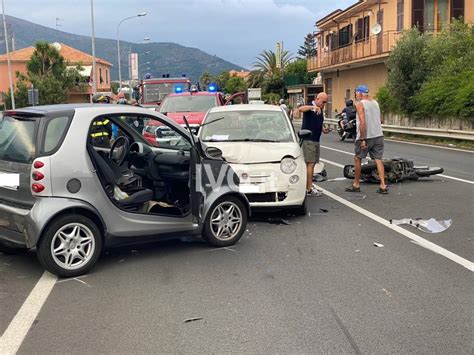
(236, 30)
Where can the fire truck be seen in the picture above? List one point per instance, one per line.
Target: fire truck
(154, 90)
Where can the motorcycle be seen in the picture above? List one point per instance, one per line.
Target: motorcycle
(348, 129)
(396, 170)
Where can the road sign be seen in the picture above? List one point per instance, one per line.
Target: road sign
(33, 97)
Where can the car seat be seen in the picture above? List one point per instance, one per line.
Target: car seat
(130, 200)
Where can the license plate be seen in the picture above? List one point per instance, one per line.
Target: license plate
(249, 189)
(10, 181)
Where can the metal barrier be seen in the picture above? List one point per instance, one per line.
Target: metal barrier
(420, 131)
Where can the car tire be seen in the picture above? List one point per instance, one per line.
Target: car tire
(81, 241)
(212, 227)
(4, 249)
(303, 209)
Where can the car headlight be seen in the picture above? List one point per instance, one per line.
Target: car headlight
(288, 165)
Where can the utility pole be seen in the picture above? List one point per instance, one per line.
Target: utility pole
(57, 23)
(12, 93)
(93, 74)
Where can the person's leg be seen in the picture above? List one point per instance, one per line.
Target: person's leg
(358, 163)
(309, 176)
(381, 171)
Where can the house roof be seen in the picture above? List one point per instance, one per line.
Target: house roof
(240, 74)
(340, 15)
(72, 55)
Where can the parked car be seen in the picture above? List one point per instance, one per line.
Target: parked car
(67, 197)
(262, 147)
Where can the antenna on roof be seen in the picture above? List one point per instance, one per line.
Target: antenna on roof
(58, 24)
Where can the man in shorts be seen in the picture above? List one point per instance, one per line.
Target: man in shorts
(369, 137)
(313, 118)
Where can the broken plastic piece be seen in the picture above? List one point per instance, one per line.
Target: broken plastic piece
(324, 210)
(378, 245)
(193, 319)
(428, 226)
(278, 221)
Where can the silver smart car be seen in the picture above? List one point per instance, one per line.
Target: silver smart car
(75, 178)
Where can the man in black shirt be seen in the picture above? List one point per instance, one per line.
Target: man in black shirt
(313, 119)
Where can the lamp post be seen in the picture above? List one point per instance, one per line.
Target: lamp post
(12, 94)
(118, 44)
(94, 64)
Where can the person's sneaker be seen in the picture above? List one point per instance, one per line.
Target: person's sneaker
(314, 192)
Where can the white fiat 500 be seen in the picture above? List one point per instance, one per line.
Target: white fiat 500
(260, 144)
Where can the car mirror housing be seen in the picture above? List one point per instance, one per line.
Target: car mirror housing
(214, 152)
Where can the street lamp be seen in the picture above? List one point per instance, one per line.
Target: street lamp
(12, 94)
(118, 44)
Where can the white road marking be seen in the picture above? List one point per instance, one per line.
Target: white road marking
(17, 330)
(430, 146)
(352, 154)
(419, 240)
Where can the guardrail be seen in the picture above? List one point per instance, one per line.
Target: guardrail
(420, 131)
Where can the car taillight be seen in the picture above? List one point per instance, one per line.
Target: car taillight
(37, 176)
(38, 164)
(37, 188)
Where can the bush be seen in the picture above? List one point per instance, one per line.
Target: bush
(386, 101)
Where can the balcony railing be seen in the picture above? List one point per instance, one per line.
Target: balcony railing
(372, 46)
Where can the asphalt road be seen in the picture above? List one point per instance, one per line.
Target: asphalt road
(318, 285)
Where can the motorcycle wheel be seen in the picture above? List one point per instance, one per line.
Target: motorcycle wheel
(428, 171)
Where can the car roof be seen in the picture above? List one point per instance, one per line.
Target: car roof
(106, 108)
(246, 107)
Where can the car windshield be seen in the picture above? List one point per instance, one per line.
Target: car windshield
(188, 103)
(17, 139)
(157, 92)
(252, 126)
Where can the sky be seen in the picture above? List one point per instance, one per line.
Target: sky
(235, 30)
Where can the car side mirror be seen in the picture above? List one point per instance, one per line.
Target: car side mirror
(304, 134)
(214, 152)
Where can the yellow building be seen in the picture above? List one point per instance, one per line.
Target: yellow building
(354, 44)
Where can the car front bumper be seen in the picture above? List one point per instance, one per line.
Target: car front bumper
(265, 185)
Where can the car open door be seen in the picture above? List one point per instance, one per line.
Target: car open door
(195, 178)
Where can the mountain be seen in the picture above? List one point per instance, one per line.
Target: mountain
(165, 58)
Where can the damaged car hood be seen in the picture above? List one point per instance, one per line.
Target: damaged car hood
(256, 152)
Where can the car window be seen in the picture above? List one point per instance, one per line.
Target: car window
(17, 139)
(246, 125)
(161, 135)
(188, 103)
(54, 132)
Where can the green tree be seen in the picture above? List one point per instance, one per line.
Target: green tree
(266, 73)
(408, 69)
(48, 72)
(298, 69)
(235, 84)
(309, 48)
(221, 80)
(205, 79)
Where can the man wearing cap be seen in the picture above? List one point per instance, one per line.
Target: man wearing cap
(313, 119)
(369, 137)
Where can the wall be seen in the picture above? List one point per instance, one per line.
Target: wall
(374, 76)
(454, 123)
(16, 66)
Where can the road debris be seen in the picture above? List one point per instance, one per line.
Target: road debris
(431, 225)
(189, 320)
(378, 245)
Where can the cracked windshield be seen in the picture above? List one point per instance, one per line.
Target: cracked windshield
(236, 176)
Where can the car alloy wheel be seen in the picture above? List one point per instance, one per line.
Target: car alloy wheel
(226, 221)
(72, 246)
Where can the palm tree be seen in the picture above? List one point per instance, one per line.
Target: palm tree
(266, 66)
(205, 79)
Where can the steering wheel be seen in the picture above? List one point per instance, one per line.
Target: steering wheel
(269, 135)
(119, 157)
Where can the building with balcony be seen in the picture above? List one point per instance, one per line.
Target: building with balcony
(353, 45)
(73, 57)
